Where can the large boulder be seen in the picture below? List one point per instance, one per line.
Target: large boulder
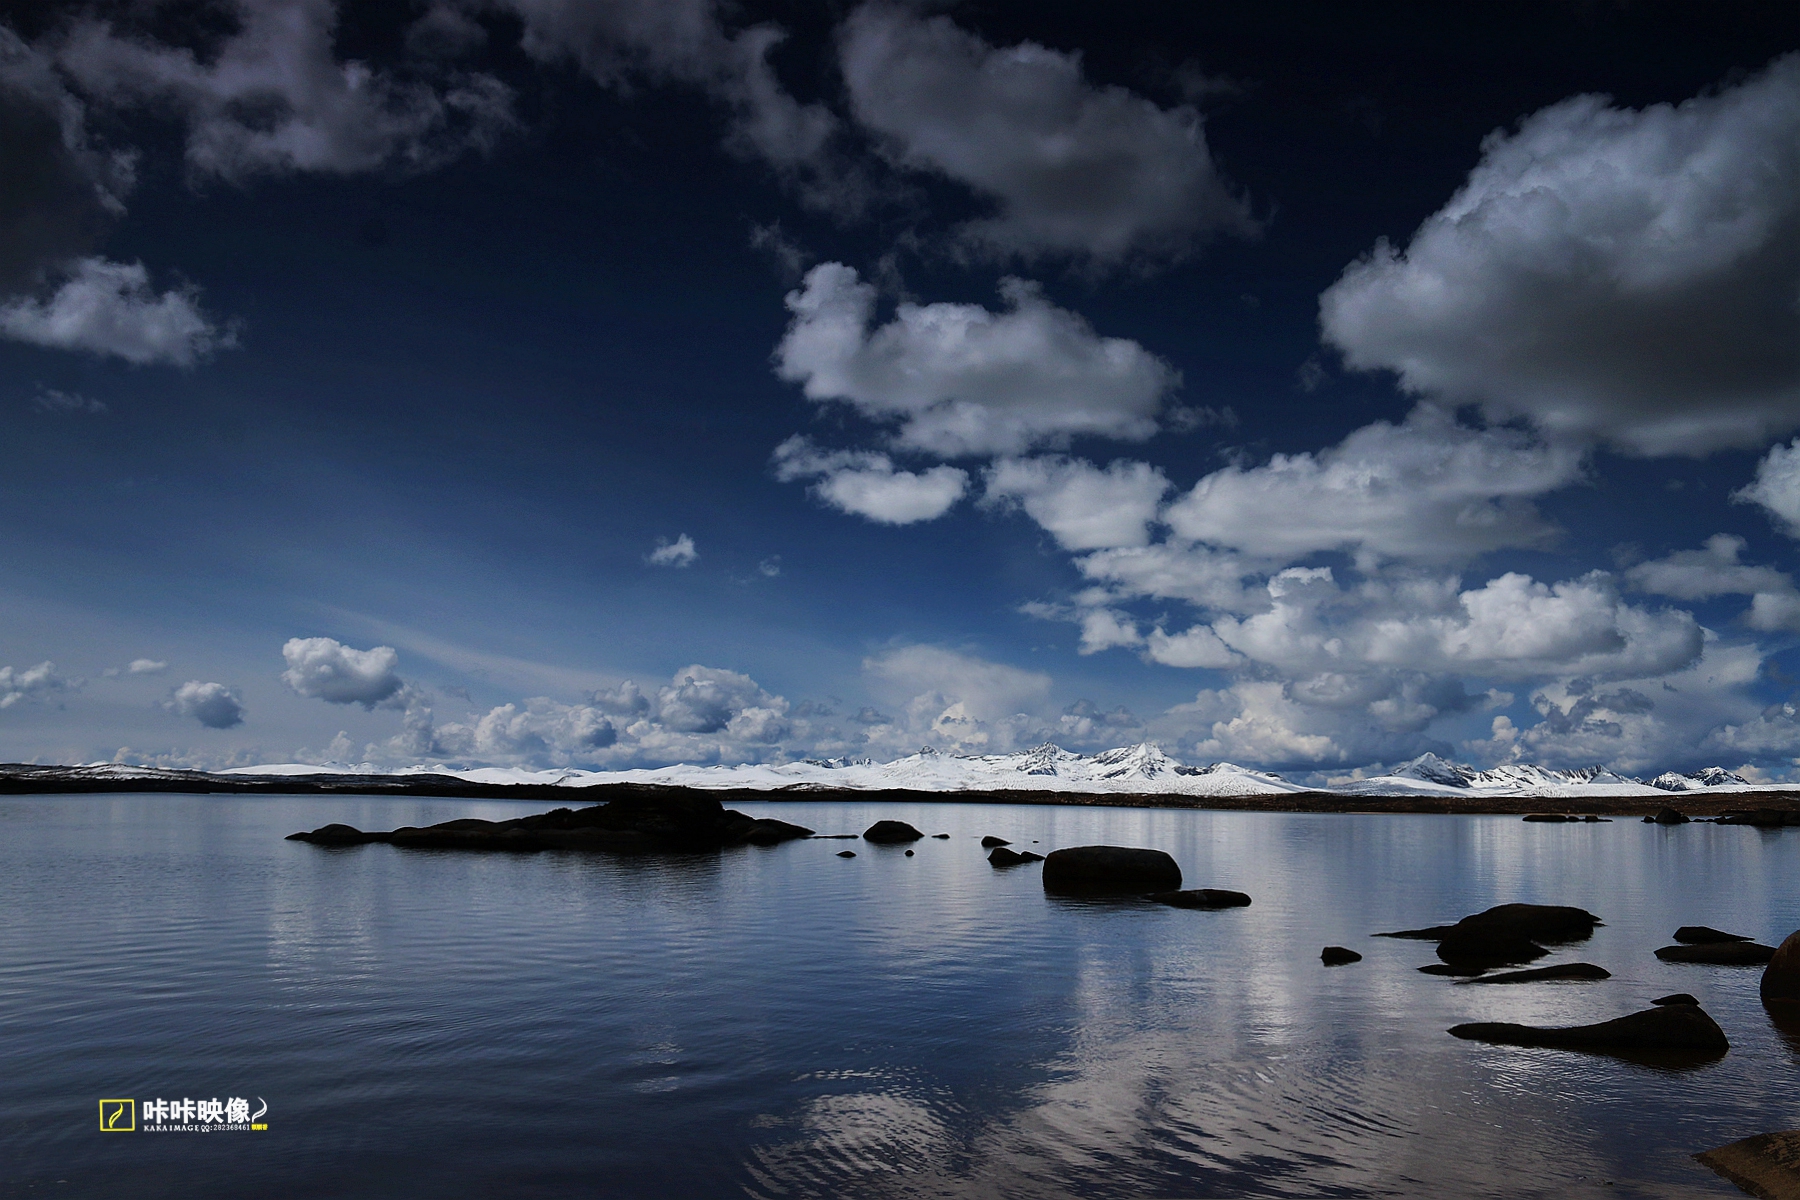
(1701, 935)
(1667, 816)
(1781, 978)
(1669, 1027)
(1766, 1165)
(1339, 956)
(1114, 870)
(891, 833)
(1719, 954)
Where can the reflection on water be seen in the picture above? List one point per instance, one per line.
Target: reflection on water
(778, 1022)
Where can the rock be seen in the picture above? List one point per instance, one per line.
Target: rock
(337, 835)
(846, 854)
(649, 821)
(990, 841)
(1666, 816)
(1002, 857)
(1550, 818)
(1201, 898)
(1484, 948)
(1781, 978)
(1596, 819)
(889, 833)
(1447, 969)
(1681, 1027)
(1560, 971)
(1719, 954)
(942, 837)
(1763, 818)
(1537, 922)
(1766, 1165)
(1338, 956)
(1110, 870)
(909, 854)
(1702, 935)
(1677, 998)
(1028, 856)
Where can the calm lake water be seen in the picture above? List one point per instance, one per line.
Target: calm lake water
(780, 1022)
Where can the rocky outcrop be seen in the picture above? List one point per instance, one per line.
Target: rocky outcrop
(1767, 1165)
(633, 823)
(1578, 970)
(1670, 1027)
(891, 833)
(1339, 956)
(1781, 978)
(1201, 898)
(1703, 935)
(1719, 954)
(1110, 870)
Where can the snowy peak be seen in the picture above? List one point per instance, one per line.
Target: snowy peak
(1429, 768)
(1142, 761)
(1693, 781)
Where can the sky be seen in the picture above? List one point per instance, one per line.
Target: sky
(616, 384)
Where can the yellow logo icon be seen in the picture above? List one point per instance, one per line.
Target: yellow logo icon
(118, 1116)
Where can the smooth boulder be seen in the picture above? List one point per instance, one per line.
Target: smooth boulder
(990, 841)
(337, 835)
(1584, 971)
(1766, 1165)
(1677, 998)
(891, 833)
(1110, 870)
(1781, 978)
(1201, 898)
(1667, 816)
(1719, 954)
(1339, 956)
(1002, 857)
(846, 854)
(1704, 935)
(1670, 1027)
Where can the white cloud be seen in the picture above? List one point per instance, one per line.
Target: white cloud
(958, 379)
(1200, 575)
(1082, 506)
(212, 704)
(272, 96)
(49, 400)
(30, 683)
(1197, 646)
(147, 666)
(678, 553)
(957, 700)
(1777, 487)
(1616, 274)
(1259, 724)
(869, 485)
(1428, 488)
(1711, 571)
(109, 308)
(322, 668)
(1073, 169)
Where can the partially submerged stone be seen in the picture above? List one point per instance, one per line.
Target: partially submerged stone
(1505, 935)
(1110, 870)
(1781, 978)
(990, 841)
(1002, 857)
(890, 833)
(1580, 970)
(1677, 998)
(1339, 956)
(1201, 898)
(1701, 935)
(1767, 1165)
(1719, 954)
(1672, 1027)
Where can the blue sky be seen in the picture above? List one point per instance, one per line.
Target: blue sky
(541, 383)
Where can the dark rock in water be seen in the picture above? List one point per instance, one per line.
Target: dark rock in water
(1719, 954)
(990, 841)
(1550, 818)
(1002, 857)
(1110, 870)
(1767, 1165)
(1667, 816)
(1029, 856)
(337, 835)
(1535, 922)
(1338, 956)
(1201, 898)
(846, 854)
(1447, 969)
(1680, 1027)
(1781, 978)
(1596, 819)
(909, 854)
(942, 837)
(1677, 998)
(1537, 974)
(1763, 818)
(1703, 935)
(1479, 947)
(889, 833)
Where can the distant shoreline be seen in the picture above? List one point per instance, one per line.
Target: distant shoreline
(19, 779)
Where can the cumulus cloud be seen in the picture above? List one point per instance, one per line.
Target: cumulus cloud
(322, 668)
(147, 666)
(1082, 506)
(212, 704)
(956, 379)
(987, 690)
(272, 95)
(1072, 169)
(868, 484)
(1200, 575)
(30, 683)
(1776, 488)
(678, 553)
(1607, 273)
(106, 307)
(1428, 488)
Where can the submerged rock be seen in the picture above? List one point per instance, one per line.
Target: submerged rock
(942, 837)
(1762, 818)
(1667, 816)
(1679, 1027)
(1703, 935)
(1578, 970)
(1505, 935)
(1339, 956)
(1719, 954)
(1781, 978)
(1002, 857)
(990, 841)
(1111, 870)
(1766, 1165)
(846, 854)
(1677, 998)
(1439, 968)
(337, 835)
(889, 833)
(1201, 898)
(909, 854)
(1550, 818)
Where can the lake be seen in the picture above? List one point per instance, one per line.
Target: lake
(780, 1022)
